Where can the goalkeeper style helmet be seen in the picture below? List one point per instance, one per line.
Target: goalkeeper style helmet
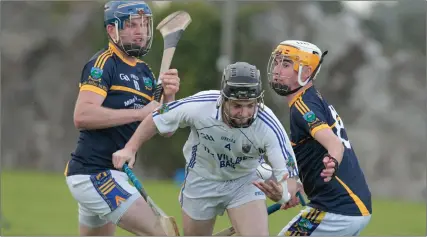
(241, 93)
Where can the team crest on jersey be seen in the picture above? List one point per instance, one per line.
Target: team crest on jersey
(163, 109)
(246, 148)
(96, 72)
(309, 116)
(291, 164)
(147, 82)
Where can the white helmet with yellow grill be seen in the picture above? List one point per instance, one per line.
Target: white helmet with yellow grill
(302, 54)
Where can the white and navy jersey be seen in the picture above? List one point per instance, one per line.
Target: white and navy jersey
(217, 152)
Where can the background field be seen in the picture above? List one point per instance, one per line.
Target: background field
(40, 204)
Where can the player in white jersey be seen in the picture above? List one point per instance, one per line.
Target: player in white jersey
(231, 131)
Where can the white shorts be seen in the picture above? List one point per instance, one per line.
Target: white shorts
(311, 222)
(203, 199)
(102, 197)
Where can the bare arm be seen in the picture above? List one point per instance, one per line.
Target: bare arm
(331, 142)
(89, 113)
(145, 131)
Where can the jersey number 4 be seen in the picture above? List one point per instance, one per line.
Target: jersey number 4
(339, 125)
(228, 146)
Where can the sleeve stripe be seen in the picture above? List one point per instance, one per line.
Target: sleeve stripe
(318, 128)
(302, 108)
(95, 89)
(199, 98)
(270, 122)
(102, 58)
(298, 108)
(155, 113)
(303, 105)
(99, 58)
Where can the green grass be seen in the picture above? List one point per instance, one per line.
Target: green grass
(40, 204)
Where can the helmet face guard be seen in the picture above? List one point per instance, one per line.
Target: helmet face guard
(241, 82)
(133, 22)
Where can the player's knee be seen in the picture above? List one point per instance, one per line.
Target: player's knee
(140, 220)
(107, 229)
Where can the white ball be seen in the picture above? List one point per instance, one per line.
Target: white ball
(264, 171)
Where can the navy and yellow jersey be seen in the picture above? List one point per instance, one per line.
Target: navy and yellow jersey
(125, 85)
(348, 192)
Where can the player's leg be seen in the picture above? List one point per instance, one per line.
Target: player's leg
(200, 204)
(110, 196)
(193, 227)
(139, 219)
(247, 209)
(105, 230)
(250, 218)
(131, 211)
(91, 225)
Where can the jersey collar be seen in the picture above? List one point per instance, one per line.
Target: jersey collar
(120, 54)
(297, 95)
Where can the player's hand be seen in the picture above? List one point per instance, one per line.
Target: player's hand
(329, 170)
(170, 82)
(270, 188)
(294, 185)
(122, 156)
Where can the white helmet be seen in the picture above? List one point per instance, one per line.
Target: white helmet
(302, 54)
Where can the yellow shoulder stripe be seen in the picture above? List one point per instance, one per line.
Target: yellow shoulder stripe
(301, 106)
(102, 58)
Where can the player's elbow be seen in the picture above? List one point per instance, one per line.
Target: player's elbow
(79, 121)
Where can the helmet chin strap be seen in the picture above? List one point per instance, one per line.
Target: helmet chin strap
(284, 90)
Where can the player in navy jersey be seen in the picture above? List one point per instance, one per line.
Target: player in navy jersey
(339, 204)
(116, 93)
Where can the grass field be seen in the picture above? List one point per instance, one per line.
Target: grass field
(40, 204)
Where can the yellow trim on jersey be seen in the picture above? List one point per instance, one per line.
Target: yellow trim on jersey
(298, 95)
(123, 88)
(95, 89)
(123, 56)
(362, 208)
(318, 128)
(102, 59)
(66, 169)
(300, 107)
(303, 105)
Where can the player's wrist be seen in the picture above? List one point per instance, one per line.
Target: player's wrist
(286, 196)
(131, 147)
(335, 162)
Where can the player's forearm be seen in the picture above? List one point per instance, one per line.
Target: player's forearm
(97, 117)
(145, 131)
(337, 151)
(331, 143)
